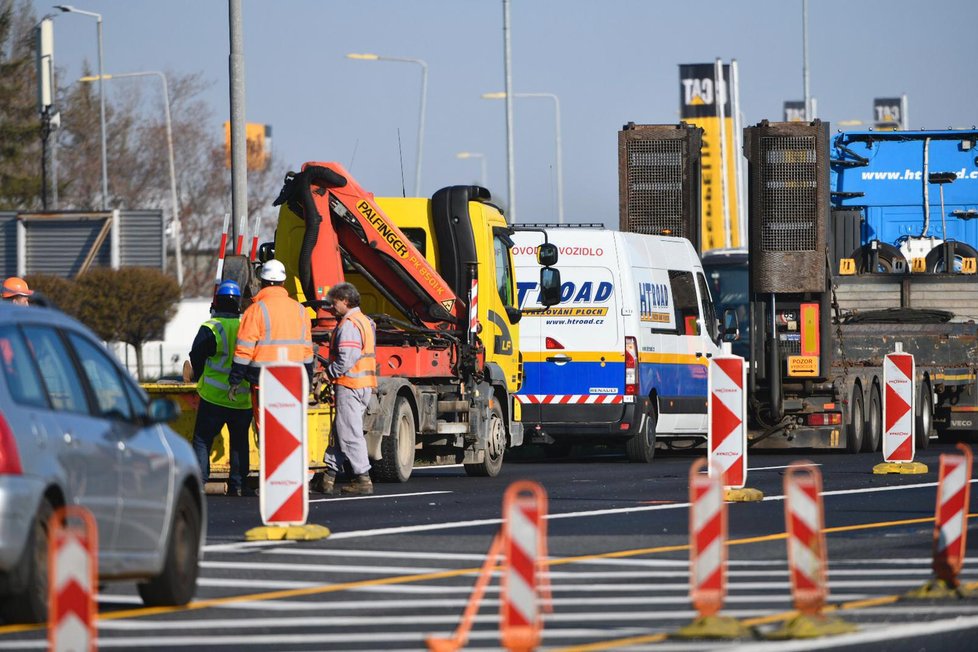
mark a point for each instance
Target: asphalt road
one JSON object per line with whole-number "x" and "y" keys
{"x": 400, "y": 565}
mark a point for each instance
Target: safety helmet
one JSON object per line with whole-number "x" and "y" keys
{"x": 229, "y": 289}
{"x": 273, "y": 271}
{"x": 16, "y": 287}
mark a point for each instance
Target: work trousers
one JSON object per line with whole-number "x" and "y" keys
{"x": 210, "y": 419}
{"x": 346, "y": 441}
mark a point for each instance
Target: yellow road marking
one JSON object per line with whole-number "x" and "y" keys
{"x": 423, "y": 577}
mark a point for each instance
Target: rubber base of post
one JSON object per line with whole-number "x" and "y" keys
{"x": 745, "y": 495}
{"x": 714, "y": 627}
{"x": 899, "y": 467}
{"x": 803, "y": 626}
{"x": 308, "y": 532}
{"x": 443, "y": 644}
{"x": 938, "y": 589}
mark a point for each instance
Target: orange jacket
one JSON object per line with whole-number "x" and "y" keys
{"x": 274, "y": 324}
{"x": 363, "y": 373}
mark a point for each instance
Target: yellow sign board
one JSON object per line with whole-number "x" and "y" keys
{"x": 802, "y": 365}
{"x": 258, "y": 141}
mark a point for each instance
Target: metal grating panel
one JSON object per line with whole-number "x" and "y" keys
{"x": 789, "y": 205}
{"x": 59, "y": 247}
{"x": 8, "y": 244}
{"x": 655, "y": 187}
{"x": 141, "y": 239}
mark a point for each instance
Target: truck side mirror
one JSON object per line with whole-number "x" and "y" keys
{"x": 266, "y": 252}
{"x": 731, "y": 325}
{"x": 550, "y": 285}
{"x": 547, "y": 254}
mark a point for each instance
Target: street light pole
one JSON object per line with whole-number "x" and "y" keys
{"x": 482, "y": 162}
{"x": 101, "y": 98}
{"x": 424, "y": 101}
{"x": 177, "y": 236}
{"x": 559, "y": 163}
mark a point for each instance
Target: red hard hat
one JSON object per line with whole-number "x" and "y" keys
{"x": 16, "y": 287}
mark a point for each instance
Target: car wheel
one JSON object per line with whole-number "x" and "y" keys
{"x": 492, "y": 463}
{"x": 857, "y": 422}
{"x": 925, "y": 420}
{"x": 873, "y": 435}
{"x": 178, "y": 581}
{"x": 641, "y": 447}
{"x": 30, "y": 605}
{"x": 397, "y": 449}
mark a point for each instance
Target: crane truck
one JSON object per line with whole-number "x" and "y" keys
{"x": 436, "y": 276}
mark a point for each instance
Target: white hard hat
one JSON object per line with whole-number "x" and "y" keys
{"x": 273, "y": 271}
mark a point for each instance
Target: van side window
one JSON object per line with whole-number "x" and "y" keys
{"x": 709, "y": 312}
{"x": 684, "y": 297}
{"x": 504, "y": 265}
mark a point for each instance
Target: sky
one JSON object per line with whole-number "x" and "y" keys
{"x": 609, "y": 61}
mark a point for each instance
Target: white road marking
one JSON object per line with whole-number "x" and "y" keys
{"x": 319, "y": 568}
{"x": 376, "y": 554}
{"x": 771, "y": 468}
{"x": 244, "y": 546}
{"x": 341, "y": 498}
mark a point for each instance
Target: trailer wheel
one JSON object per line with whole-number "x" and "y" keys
{"x": 890, "y": 259}
{"x": 925, "y": 420}
{"x": 874, "y": 422}
{"x": 641, "y": 447}
{"x": 492, "y": 463}
{"x": 397, "y": 448}
{"x": 935, "y": 259}
{"x": 857, "y": 422}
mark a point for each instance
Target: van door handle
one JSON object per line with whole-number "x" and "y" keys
{"x": 558, "y": 358}
{"x": 700, "y": 354}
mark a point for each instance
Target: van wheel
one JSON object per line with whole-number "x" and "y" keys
{"x": 30, "y": 605}
{"x": 857, "y": 423}
{"x": 874, "y": 422}
{"x": 925, "y": 420}
{"x": 178, "y": 581}
{"x": 397, "y": 448}
{"x": 641, "y": 447}
{"x": 492, "y": 462}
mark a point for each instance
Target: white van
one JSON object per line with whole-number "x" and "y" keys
{"x": 625, "y": 354}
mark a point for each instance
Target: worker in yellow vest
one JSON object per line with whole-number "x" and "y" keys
{"x": 210, "y": 359}
{"x": 352, "y": 369}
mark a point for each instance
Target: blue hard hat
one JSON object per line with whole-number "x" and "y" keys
{"x": 228, "y": 289}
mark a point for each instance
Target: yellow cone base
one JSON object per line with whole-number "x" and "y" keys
{"x": 309, "y": 532}
{"x": 899, "y": 467}
{"x": 938, "y": 589}
{"x": 803, "y": 626}
{"x": 443, "y": 644}
{"x": 715, "y": 627}
{"x": 745, "y": 495}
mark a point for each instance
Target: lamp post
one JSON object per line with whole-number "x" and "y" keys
{"x": 482, "y": 163}
{"x": 501, "y": 95}
{"x": 424, "y": 97}
{"x": 101, "y": 97}
{"x": 177, "y": 236}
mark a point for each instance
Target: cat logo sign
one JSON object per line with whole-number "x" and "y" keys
{"x": 258, "y": 140}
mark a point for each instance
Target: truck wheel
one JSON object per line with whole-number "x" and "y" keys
{"x": 890, "y": 259}
{"x": 925, "y": 420}
{"x": 874, "y": 422}
{"x": 492, "y": 463}
{"x": 397, "y": 448}
{"x": 641, "y": 447}
{"x": 857, "y": 422}
{"x": 935, "y": 259}
{"x": 31, "y": 604}
{"x": 178, "y": 581}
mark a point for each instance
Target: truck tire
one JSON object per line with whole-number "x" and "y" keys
{"x": 178, "y": 581}
{"x": 857, "y": 422}
{"x": 891, "y": 260}
{"x": 641, "y": 447}
{"x": 935, "y": 259}
{"x": 873, "y": 435}
{"x": 397, "y": 448}
{"x": 925, "y": 419}
{"x": 31, "y": 604}
{"x": 492, "y": 463}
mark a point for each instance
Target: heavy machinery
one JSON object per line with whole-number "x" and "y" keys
{"x": 447, "y": 355}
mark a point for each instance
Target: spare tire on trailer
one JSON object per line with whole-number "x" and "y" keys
{"x": 890, "y": 259}
{"x": 935, "y": 259}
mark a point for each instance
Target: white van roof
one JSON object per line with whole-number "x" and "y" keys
{"x": 583, "y": 246}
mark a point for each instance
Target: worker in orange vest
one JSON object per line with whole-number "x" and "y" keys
{"x": 352, "y": 369}
{"x": 275, "y": 328}
{"x": 15, "y": 291}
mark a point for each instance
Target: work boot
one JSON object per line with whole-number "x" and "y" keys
{"x": 323, "y": 483}
{"x": 361, "y": 485}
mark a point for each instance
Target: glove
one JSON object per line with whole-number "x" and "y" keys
{"x": 234, "y": 391}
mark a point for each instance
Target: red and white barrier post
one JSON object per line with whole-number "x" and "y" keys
{"x": 221, "y": 251}
{"x": 254, "y": 237}
{"x": 898, "y": 407}
{"x": 283, "y": 428}
{"x": 727, "y": 426}
{"x": 72, "y": 580}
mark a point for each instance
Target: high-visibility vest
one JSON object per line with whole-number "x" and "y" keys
{"x": 363, "y": 373}
{"x": 212, "y": 386}
{"x": 275, "y": 328}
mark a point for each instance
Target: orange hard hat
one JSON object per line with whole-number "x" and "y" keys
{"x": 16, "y": 287}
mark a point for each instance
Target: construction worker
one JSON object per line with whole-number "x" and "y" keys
{"x": 210, "y": 359}
{"x": 275, "y": 328}
{"x": 352, "y": 369}
{"x": 15, "y": 291}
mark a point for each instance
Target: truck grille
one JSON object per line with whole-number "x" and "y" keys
{"x": 789, "y": 206}
{"x": 655, "y": 183}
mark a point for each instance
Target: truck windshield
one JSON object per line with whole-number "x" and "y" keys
{"x": 729, "y": 287}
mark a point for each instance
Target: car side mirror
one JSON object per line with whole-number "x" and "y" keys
{"x": 547, "y": 254}
{"x": 549, "y": 286}
{"x": 731, "y": 325}
{"x": 163, "y": 410}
